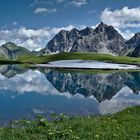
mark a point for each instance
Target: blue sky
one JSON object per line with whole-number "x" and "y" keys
{"x": 32, "y": 23}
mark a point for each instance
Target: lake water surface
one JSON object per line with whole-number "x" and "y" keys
{"x": 86, "y": 64}
{"x": 25, "y": 93}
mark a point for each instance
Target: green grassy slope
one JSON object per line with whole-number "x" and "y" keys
{"x": 121, "y": 126}
{"x": 4, "y": 61}
{"x": 82, "y": 56}
{"x": 33, "y": 59}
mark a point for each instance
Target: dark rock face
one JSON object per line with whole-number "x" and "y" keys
{"x": 135, "y": 52}
{"x": 134, "y": 46}
{"x": 134, "y": 41}
{"x": 12, "y": 51}
{"x": 104, "y": 39}
{"x": 63, "y": 41}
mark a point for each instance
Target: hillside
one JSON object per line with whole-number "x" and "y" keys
{"x": 11, "y": 51}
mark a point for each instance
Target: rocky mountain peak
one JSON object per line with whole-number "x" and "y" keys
{"x": 101, "y": 27}
{"x": 11, "y": 51}
{"x": 134, "y": 46}
{"x": 86, "y": 31}
{"x": 73, "y": 33}
{"x": 103, "y": 39}
{"x": 102, "y": 23}
{"x": 136, "y": 36}
{"x": 74, "y": 30}
{"x": 10, "y": 44}
{"x": 62, "y": 32}
{"x": 134, "y": 41}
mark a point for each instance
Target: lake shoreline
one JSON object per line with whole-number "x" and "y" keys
{"x": 44, "y": 59}
{"x": 86, "y": 64}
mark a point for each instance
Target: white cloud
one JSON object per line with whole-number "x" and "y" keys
{"x": 31, "y": 33}
{"x": 42, "y": 2}
{"x": 42, "y": 10}
{"x": 122, "y": 100}
{"x": 32, "y": 39}
{"x": 31, "y": 81}
{"x": 127, "y": 34}
{"x": 122, "y": 18}
{"x": 79, "y": 3}
{"x": 35, "y": 39}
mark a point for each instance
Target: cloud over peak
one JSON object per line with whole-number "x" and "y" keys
{"x": 32, "y": 39}
{"x": 122, "y": 18}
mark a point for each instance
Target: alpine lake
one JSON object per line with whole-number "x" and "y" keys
{"x": 26, "y": 93}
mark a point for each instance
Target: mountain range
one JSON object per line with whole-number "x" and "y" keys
{"x": 103, "y": 39}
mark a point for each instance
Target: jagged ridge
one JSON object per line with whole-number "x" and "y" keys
{"x": 103, "y": 39}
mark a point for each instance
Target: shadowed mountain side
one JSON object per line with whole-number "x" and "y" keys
{"x": 104, "y": 39}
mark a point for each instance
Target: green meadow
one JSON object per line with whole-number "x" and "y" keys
{"x": 120, "y": 126}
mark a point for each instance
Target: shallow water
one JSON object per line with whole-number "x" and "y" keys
{"x": 87, "y": 64}
{"x": 26, "y": 93}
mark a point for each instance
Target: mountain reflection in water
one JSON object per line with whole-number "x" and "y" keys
{"x": 25, "y": 93}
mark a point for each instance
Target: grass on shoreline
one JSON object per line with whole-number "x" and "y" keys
{"x": 120, "y": 126}
{"x": 33, "y": 59}
{"x": 81, "y": 56}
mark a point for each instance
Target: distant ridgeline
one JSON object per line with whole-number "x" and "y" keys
{"x": 103, "y": 39}
{"x": 12, "y": 52}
